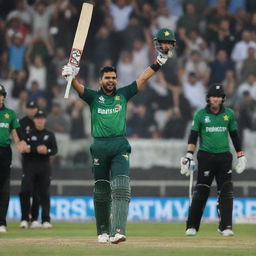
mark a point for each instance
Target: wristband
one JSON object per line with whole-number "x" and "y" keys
{"x": 155, "y": 66}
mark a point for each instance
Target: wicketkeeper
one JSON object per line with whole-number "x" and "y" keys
{"x": 110, "y": 149}
{"x": 213, "y": 125}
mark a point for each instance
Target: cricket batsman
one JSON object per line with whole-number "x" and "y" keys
{"x": 110, "y": 149}
{"x": 213, "y": 125}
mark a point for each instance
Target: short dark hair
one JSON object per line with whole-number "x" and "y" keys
{"x": 107, "y": 69}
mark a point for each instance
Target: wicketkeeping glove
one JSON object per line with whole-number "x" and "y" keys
{"x": 241, "y": 162}
{"x": 187, "y": 164}
{"x": 69, "y": 70}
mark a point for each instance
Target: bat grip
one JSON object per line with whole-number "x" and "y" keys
{"x": 68, "y": 87}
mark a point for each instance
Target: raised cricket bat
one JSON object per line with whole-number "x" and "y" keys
{"x": 79, "y": 40}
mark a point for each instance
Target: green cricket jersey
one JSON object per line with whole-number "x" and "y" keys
{"x": 108, "y": 113}
{"x": 8, "y": 121}
{"x": 214, "y": 129}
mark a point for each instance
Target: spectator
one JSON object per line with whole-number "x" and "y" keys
{"x": 190, "y": 20}
{"x": 37, "y": 72}
{"x": 219, "y": 67}
{"x": 246, "y": 118}
{"x": 57, "y": 121}
{"x": 77, "y": 123}
{"x": 194, "y": 91}
{"x": 249, "y": 64}
{"x": 125, "y": 68}
{"x": 240, "y": 51}
{"x": 249, "y": 85}
{"x": 17, "y": 51}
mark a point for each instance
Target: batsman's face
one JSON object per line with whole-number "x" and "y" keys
{"x": 215, "y": 101}
{"x": 166, "y": 45}
{"x": 108, "y": 82}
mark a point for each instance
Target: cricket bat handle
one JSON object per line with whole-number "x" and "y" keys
{"x": 68, "y": 87}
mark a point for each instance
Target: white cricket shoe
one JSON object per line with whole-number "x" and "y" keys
{"x": 35, "y": 224}
{"x": 103, "y": 238}
{"x": 3, "y": 229}
{"x": 226, "y": 232}
{"x": 46, "y": 225}
{"x": 24, "y": 224}
{"x": 190, "y": 232}
{"x": 117, "y": 238}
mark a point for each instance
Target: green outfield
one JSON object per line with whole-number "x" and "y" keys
{"x": 149, "y": 239}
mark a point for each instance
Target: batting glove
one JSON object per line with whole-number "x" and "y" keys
{"x": 187, "y": 164}
{"x": 69, "y": 70}
{"x": 161, "y": 58}
{"x": 241, "y": 162}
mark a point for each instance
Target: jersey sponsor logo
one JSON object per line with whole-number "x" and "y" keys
{"x": 225, "y": 118}
{"x": 207, "y": 119}
{"x": 7, "y": 116}
{"x": 216, "y": 129}
{"x": 4, "y": 125}
{"x": 229, "y": 172}
{"x": 107, "y": 111}
{"x": 101, "y": 100}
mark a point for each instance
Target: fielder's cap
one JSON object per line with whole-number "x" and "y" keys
{"x": 31, "y": 104}
{"x": 40, "y": 113}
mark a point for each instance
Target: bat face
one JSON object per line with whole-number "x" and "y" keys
{"x": 75, "y": 57}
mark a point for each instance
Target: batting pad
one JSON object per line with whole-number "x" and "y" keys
{"x": 102, "y": 202}
{"x": 121, "y": 195}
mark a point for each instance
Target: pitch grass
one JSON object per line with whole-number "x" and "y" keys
{"x": 144, "y": 239}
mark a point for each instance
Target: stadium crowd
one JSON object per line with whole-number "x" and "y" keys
{"x": 216, "y": 42}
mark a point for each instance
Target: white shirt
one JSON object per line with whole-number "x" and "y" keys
{"x": 120, "y": 16}
{"x": 247, "y": 87}
{"x": 195, "y": 94}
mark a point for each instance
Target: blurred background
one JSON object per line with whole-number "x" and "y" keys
{"x": 216, "y": 42}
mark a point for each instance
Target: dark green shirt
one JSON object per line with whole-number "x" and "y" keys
{"x": 8, "y": 121}
{"x": 214, "y": 129}
{"x": 108, "y": 113}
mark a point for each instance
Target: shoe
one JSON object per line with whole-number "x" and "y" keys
{"x": 190, "y": 232}
{"x": 117, "y": 238}
{"x": 35, "y": 224}
{"x": 226, "y": 232}
{"x": 3, "y": 229}
{"x": 24, "y": 224}
{"x": 103, "y": 238}
{"x": 46, "y": 225}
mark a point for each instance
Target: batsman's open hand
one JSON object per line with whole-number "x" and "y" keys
{"x": 69, "y": 70}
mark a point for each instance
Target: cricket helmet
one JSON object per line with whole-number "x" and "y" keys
{"x": 165, "y": 34}
{"x": 2, "y": 90}
{"x": 216, "y": 90}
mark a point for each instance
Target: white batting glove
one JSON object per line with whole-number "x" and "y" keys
{"x": 241, "y": 163}
{"x": 187, "y": 164}
{"x": 69, "y": 70}
{"x": 161, "y": 58}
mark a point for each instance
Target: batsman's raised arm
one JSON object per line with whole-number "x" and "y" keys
{"x": 164, "y": 44}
